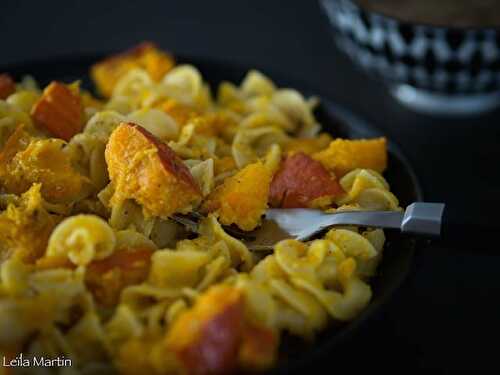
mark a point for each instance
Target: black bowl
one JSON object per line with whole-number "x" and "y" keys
{"x": 437, "y": 69}
{"x": 296, "y": 356}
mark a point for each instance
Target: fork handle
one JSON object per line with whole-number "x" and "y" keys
{"x": 450, "y": 227}
{"x": 422, "y": 218}
{"x": 461, "y": 233}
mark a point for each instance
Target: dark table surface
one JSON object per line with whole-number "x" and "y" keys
{"x": 447, "y": 313}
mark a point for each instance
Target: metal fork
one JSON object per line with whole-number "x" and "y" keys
{"x": 303, "y": 224}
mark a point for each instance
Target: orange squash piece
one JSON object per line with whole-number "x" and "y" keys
{"x": 145, "y": 169}
{"x": 7, "y": 85}
{"x": 206, "y": 338}
{"x": 25, "y": 160}
{"x": 215, "y": 336}
{"x": 25, "y": 227}
{"x": 344, "y": 155}
{"x": 258, "y": 348}
{"x": 242, "y": 198}
{"x": 146, "y": 55}
{"x": 106, "y": 277}
{"x": 59, "y": 111}
{"x": 302, "y": 182}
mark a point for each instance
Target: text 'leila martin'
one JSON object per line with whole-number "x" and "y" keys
{"x": 21, "y": 361}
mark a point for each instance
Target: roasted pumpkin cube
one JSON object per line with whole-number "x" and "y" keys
{"x": 25, "y": 160}
{"x": 7, "y": 85}
{"x": 344, "y": 155}
{"x": 303, "y": 182}
{"x": 258, "y": 349}
{"x": 146, "y": 170}
{"x": 25, "y": 227}
{"x": 242, "y": 198}
{"x": 146, "y": 55}
{"x": 206, "y": 338}
{"x": 106, "y": 278}
{"x": 59, "y": 111}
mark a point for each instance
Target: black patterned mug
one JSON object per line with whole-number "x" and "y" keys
{"x": 433, "y": 69}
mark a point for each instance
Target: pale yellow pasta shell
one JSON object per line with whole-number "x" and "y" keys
{"x": 87, "y": 338}
{"x": 14, "y": 327}
{"x": 12, "y": 114}
{"x": 156, "y": 122}
{"x": 14, "y": 276}
{"x": 376, "y": 238}
{"x": 267, "y": 269}
{"x": 23, "y": 100}
{"x": 300, "y": 301}
{"x": 292, "y": 257}
{"x": 240, "y": 254}
{"x": 183, "y": 83}
{"x": 122, "y": 104}
{"x": 359, "y": 180}
{"x": 123, "y": 325}
{"x": 377, "y": 199}
{"x": 177, "y": 269}
{"x": 82, "y": 238}
{"x": 367, "y": 268}
{"x": 203, "y": 173}
{"x": 131, "y": 239}
{"x": 268, "y": 117}
{"x": 250, "y": 144}
{"x": 175, "y": 310}
{"x": 165, "y": 233}
{"x": 214, "y": 272}
{"x": 292, "y": 104}
{"x": 261, "y": 306}
{"x": 132, "y": 84}
{"x": 340, "y": 306}
{"x": 103, "y": 123}
{"x": 352, "y": 243}
{"x": 142, "y": 296}
{"x": 256, "y": 83}
{"x": 129, "y": 215}
{"x": 273, "y": 158}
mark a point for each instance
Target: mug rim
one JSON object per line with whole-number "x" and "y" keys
{"x": 429, "y": 25}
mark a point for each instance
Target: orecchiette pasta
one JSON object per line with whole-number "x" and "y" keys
{"x": 94, "y": 264}
{"x": 82, "y": 238}
{"x": 157, "y": 122}
{"x": 203, "y": 172}
{"x": 250, "y": 144}
{"x": 10, "y": 116}
{"x": 103, "y": 123}
{"x": 367, "y": 189}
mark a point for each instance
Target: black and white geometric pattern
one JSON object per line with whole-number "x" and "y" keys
{"x": 440, "y": 59}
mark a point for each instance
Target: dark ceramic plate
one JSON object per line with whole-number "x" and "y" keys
{"x": 295, "y": 355}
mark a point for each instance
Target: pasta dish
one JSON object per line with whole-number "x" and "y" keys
{"x": 93, "y": 268}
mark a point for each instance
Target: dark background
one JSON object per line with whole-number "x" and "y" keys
{"x": 446, "y": 315}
